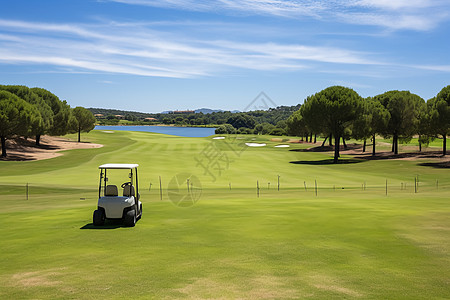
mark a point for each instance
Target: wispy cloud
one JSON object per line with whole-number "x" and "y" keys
{"x": 440, "y": 68}
{"x": 268, "y": 7}
{"x": 392, "y": 22}
{"x": 399, "y": 4}
{"x": 136, "y": 49}
{"x": 391, "y": 14}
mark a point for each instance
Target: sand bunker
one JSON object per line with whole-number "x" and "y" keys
{"x": 219, "y": 138}
{"x": 255, "y": 144}
{"x": 26, "y": 149}
{"x": 282, "y": 146}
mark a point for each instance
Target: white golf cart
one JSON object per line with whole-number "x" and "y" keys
{"x": 112, "y": 206}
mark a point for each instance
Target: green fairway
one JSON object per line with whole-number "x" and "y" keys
{"x": 352, "y": 237}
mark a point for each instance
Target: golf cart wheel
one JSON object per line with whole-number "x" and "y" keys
{"x": 130, "y": 218}
{"x": 99, "y": 217}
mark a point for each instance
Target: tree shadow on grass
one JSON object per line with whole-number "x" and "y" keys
{"x": 436, "y": 155}
{"x": 389, "y": 155}
{"x": 109, "y": 224}
{"x": 438, "y": 165}
{"x": 329, "y": 148}
{"x": 327, "y": 162}
{"x": 16, "y": 157}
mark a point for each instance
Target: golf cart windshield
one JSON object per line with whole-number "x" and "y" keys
{"x": 130, "y": 187}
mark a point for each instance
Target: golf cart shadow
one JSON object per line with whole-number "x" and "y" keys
{"x": 109, "y": 224}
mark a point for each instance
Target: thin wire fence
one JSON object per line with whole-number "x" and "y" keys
{"x": 157, "y": 191}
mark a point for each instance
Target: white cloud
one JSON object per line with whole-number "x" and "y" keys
{"x": 440, "y": 68}
{"x": 419, "y": 15}
{"x": 408, "y": 22}
{"x": 398, "y": 4}
{"x": 270, "y": 7}
{"x": 135, "y": 49}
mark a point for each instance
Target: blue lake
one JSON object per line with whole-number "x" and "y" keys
{"x": 172, "y": 130}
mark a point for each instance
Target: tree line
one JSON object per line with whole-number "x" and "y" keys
{"x": 33, "y": 112}
{"x": 271, "y": 121}
{"x": 340, "y": 112}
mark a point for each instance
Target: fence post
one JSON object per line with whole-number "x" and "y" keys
{"x": 417, "y": 183}
{"x": 315, "y": 186}
{"x": 386, "y": 188}
{"x": 160, "y": 189}
{"x": 27, "y": 191}
{"x": 257, "y": 188}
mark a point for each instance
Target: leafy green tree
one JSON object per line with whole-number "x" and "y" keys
{"x": 84, "y": 120}
{"x": 277, "y": 131}
{"x": 440, "y": 115}
{"x": 404, "y": 108}
{"x": 179, "y": 120}
{"x": 310, "y": 115}
{"x": 60, "y": 109}
{"x": 372, "y": 120}
{"x": 361, "y": 126}
{"x": 258, "y": 129}
{"x": 242, "y": 120}
{"x": 16, "y": 117}
{"x": 273, "y": 115}
{"x": 332, "y": 110}
{"x": 264, "y": 128}
{"x": 296, "y": 124}
{"x": 130, "y": 117}
{"x": 42, "y": 106}
{"x": 282, "y": 124}
{"x": 225, "y": 129}
{"x": 424, "y": 128}
{"x": 244, "y": 130}
{"x": 200, "y": 121}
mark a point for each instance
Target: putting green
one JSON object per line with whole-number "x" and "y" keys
{"x": 351, "y": 240}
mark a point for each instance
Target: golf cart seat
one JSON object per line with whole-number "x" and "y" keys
{"x": 128, "y": 191}
{"x": 111, "y": 190}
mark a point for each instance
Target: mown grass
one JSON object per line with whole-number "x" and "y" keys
{"x": 346, "y": 242}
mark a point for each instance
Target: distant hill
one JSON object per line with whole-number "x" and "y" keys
{"x": 202, "y": 110}
{"x": 206, "y": 110}
{"x": 140, "y": 115}
{"x": 209, "y": 111}
{"x": 108, "y": 112}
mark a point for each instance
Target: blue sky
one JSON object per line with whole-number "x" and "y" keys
{"x": 155, "y": 55}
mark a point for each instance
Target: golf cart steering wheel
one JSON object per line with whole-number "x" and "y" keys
{"x": 125, "y": 184}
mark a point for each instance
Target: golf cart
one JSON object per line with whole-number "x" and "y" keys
{"x": 112, "y": 206}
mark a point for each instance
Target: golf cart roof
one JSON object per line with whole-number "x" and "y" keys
{"x": 118, "y": 166}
